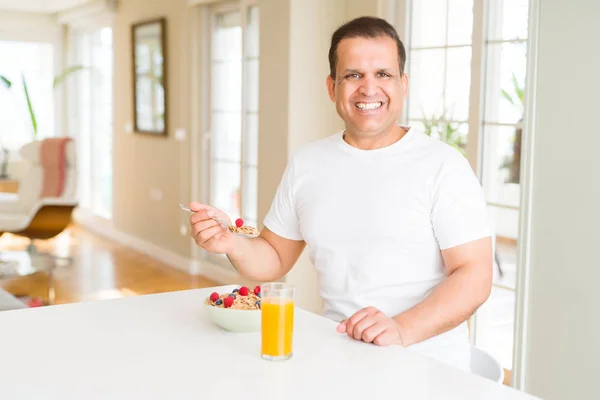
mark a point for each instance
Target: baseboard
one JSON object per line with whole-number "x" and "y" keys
{"x": 105, "y": 228}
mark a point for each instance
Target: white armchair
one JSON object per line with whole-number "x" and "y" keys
{"x": 47, "y": 193}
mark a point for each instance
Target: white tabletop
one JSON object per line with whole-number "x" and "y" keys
{"x": 163, "y": 346}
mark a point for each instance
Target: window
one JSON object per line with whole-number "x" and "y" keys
{"x": 443, "y": 56}
{"x": 234, "y": 111}
{"x": 90, "y": 105}
{"x": 34, "y": 63}
{"x": 439, "y": 68}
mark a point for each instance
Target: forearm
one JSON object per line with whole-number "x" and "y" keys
{"x": 450, "y": 304}
{"x": 256, "y": 259}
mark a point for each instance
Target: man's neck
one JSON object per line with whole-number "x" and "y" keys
{"x": 384, "y": 139}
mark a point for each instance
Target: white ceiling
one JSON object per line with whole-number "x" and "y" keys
{"x": 40, "y": 6}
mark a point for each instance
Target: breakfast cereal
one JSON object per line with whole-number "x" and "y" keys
{"x": 238, "y": 299}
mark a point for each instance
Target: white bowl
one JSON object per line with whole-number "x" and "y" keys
{"x": 234, "y": 320}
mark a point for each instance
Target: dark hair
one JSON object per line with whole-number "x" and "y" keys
{"x": 364, "y": 27}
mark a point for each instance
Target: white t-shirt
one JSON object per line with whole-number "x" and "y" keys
{"x": 375, "y": 221}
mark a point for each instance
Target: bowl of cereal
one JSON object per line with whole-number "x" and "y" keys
{"x": 237, "y": 310}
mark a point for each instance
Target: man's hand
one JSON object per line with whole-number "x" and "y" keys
{"x": 208, "y": 233}
{"x": 372, "y": 326}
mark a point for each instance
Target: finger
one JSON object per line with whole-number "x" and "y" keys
{"x": 202, "y": 225}
{"x": 360, "y": 327}
{"x": 341, "y": 328}
{"x": 358, "y": 316}
{"x": 353, "y": 320}
{"x": 386, "y": 338}
{"x": 202, "y": 215}
{"x": 372, "y": 332}
{"x": 195, "y": 206}
{"x": 208, "y": 234}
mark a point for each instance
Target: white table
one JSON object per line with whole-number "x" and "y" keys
{"x": 163, "y": 346}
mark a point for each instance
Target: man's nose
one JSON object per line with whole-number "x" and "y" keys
{"x": 369, "y": 86}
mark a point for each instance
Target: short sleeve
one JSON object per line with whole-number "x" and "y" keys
{"x": 459, "y": 210}
{"x": 282, "y": 218}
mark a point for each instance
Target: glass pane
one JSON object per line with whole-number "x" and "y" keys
{"x": 227, "y": 136}
{"x": 428, "y": 23}
{"x": 35, "y": 63}
{"x": 458, "y": 83}
{"x": 426, "y": 82}
{"x": 505, "y": 77}
{"x": 226, "y": 88}
{"x": 453, "y": 133}
{"x": 460, "y": 21}
{"x": 252, "y": 85}
{"x": 227, "y": 44}
{"x": 250, "y": 196}
{"x": 505, "y": 224}
{"x": 101, "y": 109}
{"x": 501, "y": 164}
{"x": 251, "y": 148}
{"x": 507, "y": 19}
{"x": 225, "y": 187}
{"x": 252, "y": 32}
{"x": 495, "y": 325}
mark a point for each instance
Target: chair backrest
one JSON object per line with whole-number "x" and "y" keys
{"x": 483, "y": 364}
{"x": 51, "y": 172}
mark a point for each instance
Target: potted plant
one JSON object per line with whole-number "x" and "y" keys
{"x": 513, "y": 164}
{"x": 8, "y": 84}
{"x": 443, "y": 128}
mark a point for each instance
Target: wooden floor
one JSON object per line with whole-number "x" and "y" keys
{"x": 100, "y": 269}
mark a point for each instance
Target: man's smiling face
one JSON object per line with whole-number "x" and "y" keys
{"x": 369, "y": 88}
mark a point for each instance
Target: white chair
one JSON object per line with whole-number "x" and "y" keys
{"x": 483, "y": 364}
{"x": 47, "y": 194}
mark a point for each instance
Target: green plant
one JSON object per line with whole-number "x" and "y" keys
{"x": 58, "y": 79}
{"x": 443, "y": 128}
{"x": 5, "y": 81}
{"x": 516, "y": 97}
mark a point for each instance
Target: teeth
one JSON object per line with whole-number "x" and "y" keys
{"x": 369, "y": 106}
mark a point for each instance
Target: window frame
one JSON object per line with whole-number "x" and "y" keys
{"x": 207, "y": 162}
{"x": 400, "y": 13}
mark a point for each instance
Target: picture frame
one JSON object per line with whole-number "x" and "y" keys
{"x": 149, "y": 68}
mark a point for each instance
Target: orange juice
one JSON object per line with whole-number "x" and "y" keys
{"x": 277, "y": 318}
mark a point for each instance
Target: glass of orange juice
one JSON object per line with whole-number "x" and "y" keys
{"x": 277, "y": 320}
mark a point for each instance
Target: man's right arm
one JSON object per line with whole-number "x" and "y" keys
{"x": 267, "y": 257}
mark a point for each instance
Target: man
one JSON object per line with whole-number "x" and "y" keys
{"x": 395, "y": 221}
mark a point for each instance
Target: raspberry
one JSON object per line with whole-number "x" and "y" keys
{"x": 257, "y": 290}
{"x": 239, "y": 222}
{"x": 243, "y": 291}
{"x": 214, "y": 296}
{"x": 228, "y": 302}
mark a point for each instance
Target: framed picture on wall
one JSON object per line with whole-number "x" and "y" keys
{"x": 150, "y": 77}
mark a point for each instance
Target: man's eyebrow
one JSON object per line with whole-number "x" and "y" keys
{"x": 350, "y": 70}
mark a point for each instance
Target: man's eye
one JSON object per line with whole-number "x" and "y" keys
{"x": 383, "y": 74}
{"x": 352, "y": 76}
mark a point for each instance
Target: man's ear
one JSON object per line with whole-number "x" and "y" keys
{"x": 330, "y": 87}
{"x": 405, "y": 84}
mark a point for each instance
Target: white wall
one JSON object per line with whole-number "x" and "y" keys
{"x": 563, "y": 345}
